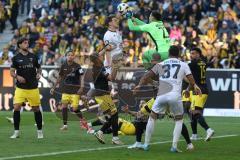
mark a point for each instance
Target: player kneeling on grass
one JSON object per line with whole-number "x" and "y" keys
{"x": 103, "y": 98}
{"x": 71, "y": 74}
{"x": 124, "y": 127}
{"x": 141, "y": 122}
{"x": 27, "y": 71}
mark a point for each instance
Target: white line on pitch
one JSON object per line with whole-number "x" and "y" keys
{"x": 93, "y": 149}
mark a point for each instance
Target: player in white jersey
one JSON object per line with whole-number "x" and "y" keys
{"x": 171, "y": 73}
{"x": 114, "y": 46}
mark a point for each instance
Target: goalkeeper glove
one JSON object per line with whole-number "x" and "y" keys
{"x": 129, "y": 14}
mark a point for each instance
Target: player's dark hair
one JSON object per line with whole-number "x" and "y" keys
{"x": 109, "y": 19}
{"x": 157, "y": 15}
{"x": 174, "y": 51}
{"x": 198, "y": 50}
{"x": 20, "y": 41}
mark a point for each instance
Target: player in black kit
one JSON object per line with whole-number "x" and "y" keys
{"x": 27, "y": 71}
{"x": 198, "y": 67}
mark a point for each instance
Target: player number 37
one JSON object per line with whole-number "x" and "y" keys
{"x": 168, "y": 67}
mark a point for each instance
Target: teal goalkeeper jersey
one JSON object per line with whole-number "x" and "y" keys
{"x": 157, "y": 32}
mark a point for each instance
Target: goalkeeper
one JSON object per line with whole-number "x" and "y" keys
{"x": 157, "y": 32}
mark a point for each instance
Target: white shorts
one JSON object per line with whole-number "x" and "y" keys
{"x": 171, "y": 101}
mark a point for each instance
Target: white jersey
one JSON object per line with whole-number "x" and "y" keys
{"x": 172, "y": 71}
{"x": 115, "y": 40}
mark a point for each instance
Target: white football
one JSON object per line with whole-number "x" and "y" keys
{"x": 123, "y": 8}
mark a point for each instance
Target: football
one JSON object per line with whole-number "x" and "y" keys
{"x": 123, "y": 8}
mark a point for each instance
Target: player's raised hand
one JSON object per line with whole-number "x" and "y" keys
{"x": 20, "y": 79}
{"x": 129, "y": 14}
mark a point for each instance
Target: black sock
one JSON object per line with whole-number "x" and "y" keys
{"x": 65, "y": 115}
{"x": 114, "y": 124}
{"x": 97, "y": 123}
{"x": 38, "y": 119}
{"x": 194, "y": 124}
{"x": 185, "y": 134}
{"x": 79, "y": 114}
{"x": 108, "y": 131}
{"x": 105, "y": 126}
{"x": 202, "y": 122}
{"x": 16, "y": 119}
{"x": 140, "y": 127}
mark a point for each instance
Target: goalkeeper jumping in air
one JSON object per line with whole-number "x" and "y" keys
{"x": 157, "y": 32}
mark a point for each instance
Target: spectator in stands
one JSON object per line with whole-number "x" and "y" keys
{"x": 79, "y": 25}
{"x": 23, "y": 6}
{"x": 13, "y": 45}
{"x": 3, "y": 16}
{"x": 6, "y": 56}
{"x": 45, "y": 56}
{"x": 176, "y": 33}
{"x": 225, "y": 29}
{"x": 14, "y": 13}
{"x": 38, "y": 9}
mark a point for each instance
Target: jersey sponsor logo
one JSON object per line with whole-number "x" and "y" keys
{"x": 26, "y": 66}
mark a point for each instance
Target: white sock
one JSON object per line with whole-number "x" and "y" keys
{"x": 209, "y": 129}
{"x": 115, "y": 138}
{"x": 177, "y": 132}
{"x": 21, "y": 110}
{"x": 16, "y": 131}
{"x": 138, "y": 143}
{"x": 149, "y": 130}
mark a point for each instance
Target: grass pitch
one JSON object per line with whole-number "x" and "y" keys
{"x": 77, "y": 144}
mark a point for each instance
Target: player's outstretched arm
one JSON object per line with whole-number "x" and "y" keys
{"x": 126, "y": 110}
{"x": 133, "y": 27}
{"x": 146, "y": 79}
{"x": 193, "y": 85}
{"x": 138, "y": 21}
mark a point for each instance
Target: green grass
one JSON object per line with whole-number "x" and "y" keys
{"x": 75, "y": 139}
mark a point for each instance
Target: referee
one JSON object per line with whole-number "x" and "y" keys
{"x": 27, "y": 71}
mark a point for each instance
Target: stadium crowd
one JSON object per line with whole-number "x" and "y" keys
{"x": 53, "y": 27}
